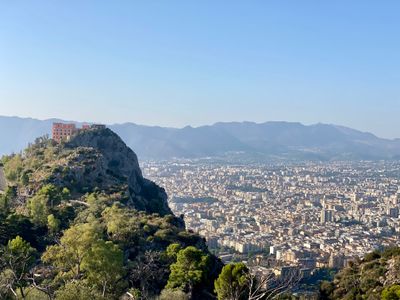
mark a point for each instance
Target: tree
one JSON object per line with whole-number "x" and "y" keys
{"x": 78, "y": 290}
{"x": 326, "y": 288}
{"x": 16, "y": 259}
{"x": 232, "y": 283}
{"x": 391, "y": 293}
{"x": 189, "y": 270}
{"x": 96, "y": 203}
{"x": 15, "y": 224}
{"x": 7, "y": 199}
{"x": 13, "y": 167}
{"x": 53, "y": 224}
{"x": 38, "y": 209}
{"x": 74, "y": 246}
{"x": 122, "y": 224}
{"x": 268, "y": 286}
{"x": 51, "y": 192}
{"x": 103, "y": 265}
{"x": 24, "y": 179}
{"x": 149, "y": 272}
{"x": 65, "y": 194}
{"x": 172, "y": 250}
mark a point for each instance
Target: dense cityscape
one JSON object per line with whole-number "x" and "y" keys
{"x": 279, "y": 217}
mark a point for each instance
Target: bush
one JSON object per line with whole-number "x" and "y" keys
{"x": 391, "y": 293}
{"x": 390, "y": 252}
{"x": 78, "y": 290}
{"x": 169, "y": 294}
{"x": 372, "y": 256}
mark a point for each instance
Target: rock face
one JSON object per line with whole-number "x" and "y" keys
{"x": 392, "y": 275}
{"x": 115, "y": 155}
{"x": 99, "y": 159}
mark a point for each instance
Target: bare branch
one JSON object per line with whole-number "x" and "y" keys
{"x": 270, "y": 286}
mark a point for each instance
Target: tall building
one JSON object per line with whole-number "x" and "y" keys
{"x": 326, "y": 216}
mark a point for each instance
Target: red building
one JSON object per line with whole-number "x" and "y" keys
{"x": 63, "y": 131}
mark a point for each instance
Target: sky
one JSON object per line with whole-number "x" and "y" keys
{"x": 176, "y": 63}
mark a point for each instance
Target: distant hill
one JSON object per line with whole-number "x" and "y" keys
{"x": 265, "y": 141}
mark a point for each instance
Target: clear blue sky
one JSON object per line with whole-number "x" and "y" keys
{"x": 174, "y": 63}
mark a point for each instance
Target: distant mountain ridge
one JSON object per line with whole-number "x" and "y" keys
{"x": 265, "y": 141}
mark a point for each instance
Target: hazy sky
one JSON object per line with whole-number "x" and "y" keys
{"x": 174, "y": 63}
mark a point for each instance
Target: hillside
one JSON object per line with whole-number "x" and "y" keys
{"x": 265, "y": 141}
{"x": 375, "y": 277}
{"x": 79, "y": 221}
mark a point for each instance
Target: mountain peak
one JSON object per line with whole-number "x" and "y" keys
{"x": 117, "y": 165}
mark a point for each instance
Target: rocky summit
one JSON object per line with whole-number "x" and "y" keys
{"x": 97, "y": 159}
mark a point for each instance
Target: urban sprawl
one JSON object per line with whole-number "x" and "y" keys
{"x": 280, "y": 217}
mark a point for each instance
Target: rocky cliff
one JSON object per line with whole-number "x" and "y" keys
{"x": 94, "y": 160}
{"x": 101, "y": 160}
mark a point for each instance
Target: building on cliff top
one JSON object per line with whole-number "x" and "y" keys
{"x": 64, "y": 131}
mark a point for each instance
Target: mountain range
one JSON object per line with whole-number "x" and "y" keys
{"x": 239, "y": 140}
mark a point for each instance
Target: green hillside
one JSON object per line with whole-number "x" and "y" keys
{"x": 79, "y": 221}
{"x": 376, "y": 276}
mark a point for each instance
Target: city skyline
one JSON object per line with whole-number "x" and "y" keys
{"x": 308, "y": 214}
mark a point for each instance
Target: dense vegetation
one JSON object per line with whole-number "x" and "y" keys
{"x": 376, "y": 276}
{"x": 64, "y": 235}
